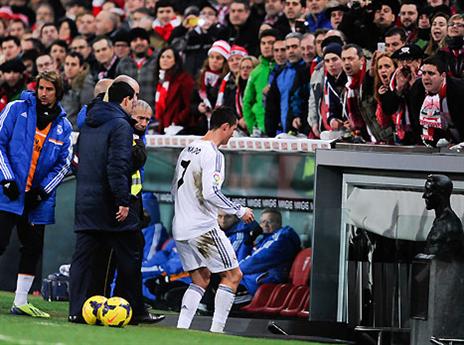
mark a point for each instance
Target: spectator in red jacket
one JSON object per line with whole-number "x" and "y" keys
{"x": 174, "y": 87}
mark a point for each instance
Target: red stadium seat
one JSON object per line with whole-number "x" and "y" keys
{"x": 272, "y": 299}
{"x": 260, "y": 299}
{"x": 304, "y": 312}
{"x": 301, "y": 268}
{"x": 297, "y": 301}
{"x": 279, "y": 299}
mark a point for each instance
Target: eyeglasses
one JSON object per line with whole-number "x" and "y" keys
{"x": 246, "y": 68}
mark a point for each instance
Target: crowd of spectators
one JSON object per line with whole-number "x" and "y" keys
{"x": 385, "y": 71}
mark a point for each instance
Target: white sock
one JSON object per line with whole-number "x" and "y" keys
{"x": 23, "y": 285}
{"x": 190, "y": 301}
{"x": 222, "y": 304}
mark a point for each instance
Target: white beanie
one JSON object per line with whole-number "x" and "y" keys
{"x": 221, "y": 47}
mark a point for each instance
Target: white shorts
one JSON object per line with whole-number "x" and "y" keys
{"x": 212, "y": 250}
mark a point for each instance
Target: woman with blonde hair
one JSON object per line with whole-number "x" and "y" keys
{"x": 235, "y": 100}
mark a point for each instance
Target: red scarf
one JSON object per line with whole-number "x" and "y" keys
{"x": 434, "y": 114}
{"x": 161, "y": 95}
{"x": 211, "y": 78}
{"x": 164, "y": 31}
{"x": 352, "y": 99}
{"x": 239, "y": 100}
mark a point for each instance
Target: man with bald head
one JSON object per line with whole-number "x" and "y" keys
{"x": 99, "y": 92}
{"x": 106, "y": 23}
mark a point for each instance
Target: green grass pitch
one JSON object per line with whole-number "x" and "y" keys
{"x": 23, "y": 330}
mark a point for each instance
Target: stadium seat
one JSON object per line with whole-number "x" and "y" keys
{"x": 260, "y": 299}
{"x": 278, "y": 300}
{"x": 297, "y": 301}
{"x": 301, "y": 268}
{"x": 271, "y": 299}
{"x": 304, "y": 312}
{"x": 299, "y": 278}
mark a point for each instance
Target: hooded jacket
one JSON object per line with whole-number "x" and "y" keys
{"x": 17, "y": 131}
{"x": 104, "y": 174}
{"x": 253, "y": 105}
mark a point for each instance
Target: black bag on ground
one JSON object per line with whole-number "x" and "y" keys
{"x": 55, "y": 288}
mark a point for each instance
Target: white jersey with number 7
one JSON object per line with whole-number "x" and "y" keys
{"x": 196, "y": 189}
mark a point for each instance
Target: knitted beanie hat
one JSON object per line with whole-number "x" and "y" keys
{"x": 221, "y": 47}
{"x": 238, "y": 50}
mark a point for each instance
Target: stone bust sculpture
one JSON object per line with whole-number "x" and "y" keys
{"x": 445, "y": 239}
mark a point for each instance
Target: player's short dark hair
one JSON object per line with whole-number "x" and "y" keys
{"x": 397, "y": 31}
{"x": 221, "y": 115}
{"x": 120, "y": 90}
{"x": 436, "y": 61}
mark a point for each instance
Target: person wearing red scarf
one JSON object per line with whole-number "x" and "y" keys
{"x": 166, "y": 19}
{"x": 174, "y": 88}
{"x": 210, "y": 88}
{"x": 436, "y": 117}
{"x": 434, "y": 103}
{"x": 354, "y": 65}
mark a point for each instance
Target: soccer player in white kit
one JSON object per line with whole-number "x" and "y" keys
{"x": 202, "y": 246}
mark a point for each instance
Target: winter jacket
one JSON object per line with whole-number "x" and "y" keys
{"x": 287, "y": 99}
{"x": 253, "y": 106}
{"x": 104, "y": 174}
{"x": 178, "y": 102}
{"x": 246, "y": 35}
{"x": 271, "y": 259}
{"x": 319, "y": 21}
{"x": 316, "y": 92}
{"x": 454, "y": 91}
{"x": 17, "y": 132}
{"x": 144, "y": 76}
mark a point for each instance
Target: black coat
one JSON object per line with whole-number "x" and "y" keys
{"x": 358, "y": 27}
{"x": 246, "y": 35}
{"x": 105, "y": 169}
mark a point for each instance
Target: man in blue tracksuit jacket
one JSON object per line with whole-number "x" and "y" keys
{"x": 35, "y": 155}
{"x": 272, "y": 255}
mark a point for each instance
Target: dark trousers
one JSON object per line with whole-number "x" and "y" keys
{"x": 126, "y": 252}
{"x": 30, "y": 236}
